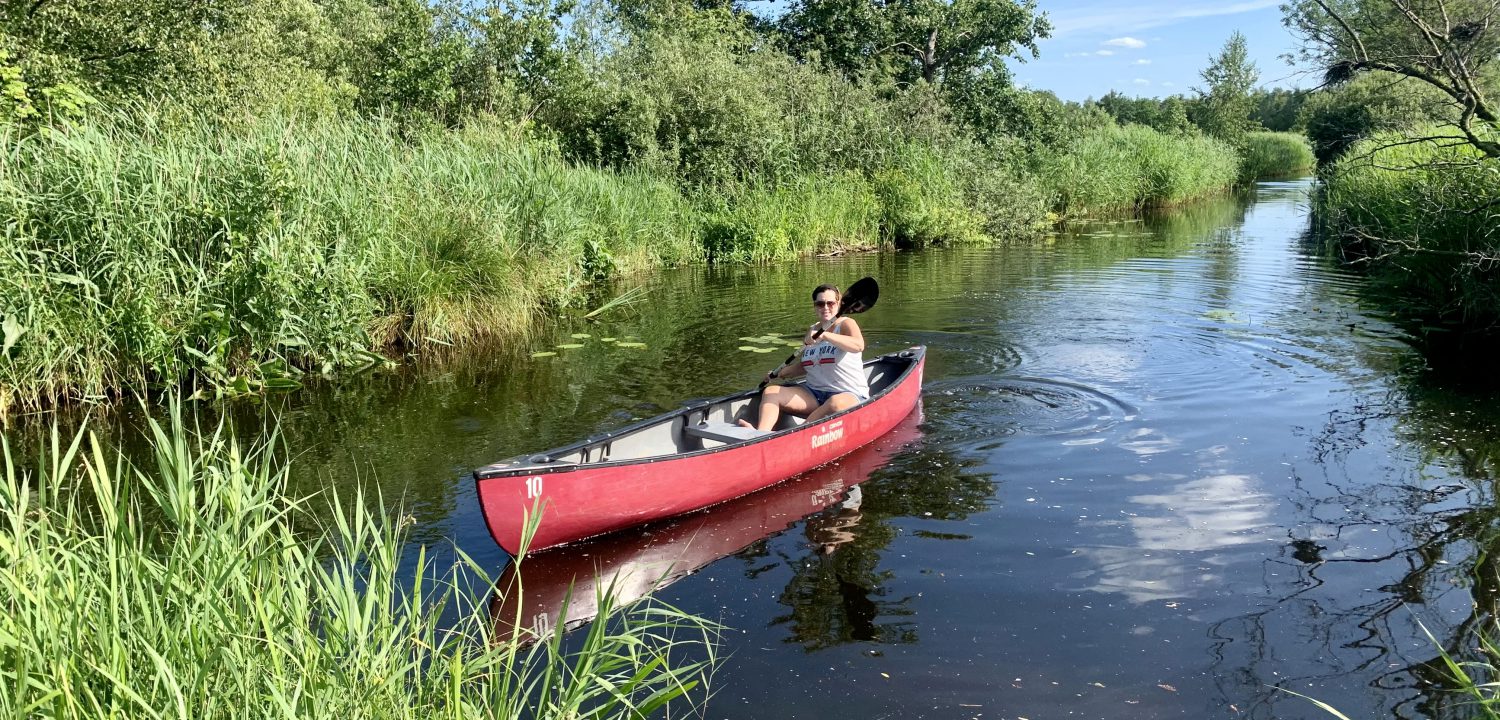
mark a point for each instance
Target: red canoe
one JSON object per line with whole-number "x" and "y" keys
{"x": 682, "y": 461}
{"x": 564, "y": 587}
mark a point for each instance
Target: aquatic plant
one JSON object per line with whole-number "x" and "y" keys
{"x": 1275, "y": 154}
{"x": 1419, "y": 210}
{"x": 195, "y": 587}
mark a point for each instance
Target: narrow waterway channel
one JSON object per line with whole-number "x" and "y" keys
{"x": 1161, "y": 467}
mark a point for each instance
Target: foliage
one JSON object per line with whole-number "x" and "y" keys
{"x": 1423, "y": 216}
{"x": 196, "y": 587}
{"x": 1451, "y": 47}
{"x": 1278, "y": 109}
{"x": 933, "y": 41}
{"x": 1126, "y": 169}
{"x": 135, "y": 254}
{"x": 1224, "y": 103}
{"x": 1168, "y": 115}
{"x": 1275, "y": 154}
{"x": 1337, "y": 117}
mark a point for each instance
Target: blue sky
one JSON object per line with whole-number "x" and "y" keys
{"x": 1152, "y": 48}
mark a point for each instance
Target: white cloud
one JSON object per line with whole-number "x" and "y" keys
{"x": 1142, "y": 61}
{"x": 1169, "y": 84}
{"x": 1126, "y": 42}
{"x": 1141, "y": 81}
{"x": 1106, "y": 17}
{"x": 1105, "y": 53}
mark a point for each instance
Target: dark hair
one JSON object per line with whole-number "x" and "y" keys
{"x": 819, "y": 290}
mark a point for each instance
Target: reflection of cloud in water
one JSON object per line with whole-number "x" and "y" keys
{"x": 1108, "y": 362}
{"x": 1211, "y": 513}
{"x": 1146, "y": 441}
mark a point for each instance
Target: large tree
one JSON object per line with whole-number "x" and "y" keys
{"x": 910, "y": 40}
{"x": 1451, "y": 45}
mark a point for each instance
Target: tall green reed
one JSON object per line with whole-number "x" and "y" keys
{"x": 194, "y": 587}
{"x": 1422, "y": 215}
{"x": 1128, "y": 169}
{"x": 1275, "y": 154}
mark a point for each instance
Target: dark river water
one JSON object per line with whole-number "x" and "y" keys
{"x": 1161, "y": 468}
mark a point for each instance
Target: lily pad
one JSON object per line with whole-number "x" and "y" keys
{"x": 544, "y": 353}
{"x": 754, "y": 349}
{"x": 606, "y": 339}
{"x": 631, "y": 344}
{"x": 570, "y": 346}
{"x": 581, "y": 336}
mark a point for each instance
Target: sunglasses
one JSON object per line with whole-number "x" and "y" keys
{"x": 825, "y": 303}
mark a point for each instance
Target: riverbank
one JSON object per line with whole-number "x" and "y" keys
{"x": 140, "y": 254}
{"x": 1419, "y": 216}
{"x": 200, "y": 587}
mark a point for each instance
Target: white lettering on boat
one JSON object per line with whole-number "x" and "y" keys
{"x": 831, "y": 433}
{"x": 534, "y": 487}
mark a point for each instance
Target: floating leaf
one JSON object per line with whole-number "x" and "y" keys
{"x": 765, "y": 350}
{"x": 631, "y": 344}
{"x": 569, "y": 346}
{"x": 544, "y": 353}
{"x": 581, "y": 336}
{"x": 606, "y": 339}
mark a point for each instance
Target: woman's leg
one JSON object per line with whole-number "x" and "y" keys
{"x": 838, "y": 403}
{"x": 795, "y": 400}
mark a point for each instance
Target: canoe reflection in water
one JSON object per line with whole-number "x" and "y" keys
{"x": 530, "y": 596}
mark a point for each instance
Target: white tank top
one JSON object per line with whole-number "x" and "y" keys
{"x": 833, "y": 370}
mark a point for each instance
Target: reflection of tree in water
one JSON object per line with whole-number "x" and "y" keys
{"x": 838, "y": 591}
{"x": 1448, "y": 536}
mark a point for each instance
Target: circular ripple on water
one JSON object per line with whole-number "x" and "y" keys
{"x": 975, "y": 412}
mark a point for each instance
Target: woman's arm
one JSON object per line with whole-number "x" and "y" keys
{"x": 846, "y": 336}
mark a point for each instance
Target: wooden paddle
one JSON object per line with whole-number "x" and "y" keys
{"x": 860, "y": 297}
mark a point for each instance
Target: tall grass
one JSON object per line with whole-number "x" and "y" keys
{"x": 1275, "y": 154}
{"x": 134, "y": 254}
{"x": 195, "y": 588}
{"x": 1424, "y": 216}
{"x": 811, "y": 215}
{"x": 1131, "y": 168}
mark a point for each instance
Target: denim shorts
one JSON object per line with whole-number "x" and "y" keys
{"x": 821, "y": 396}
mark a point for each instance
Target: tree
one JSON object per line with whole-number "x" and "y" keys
{"x": 1450, "y": 45}
{"x": 1224, "y": 103}
{"x": 910, "y": 40}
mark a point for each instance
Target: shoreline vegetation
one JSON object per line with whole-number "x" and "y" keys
{"x": 178, "y": 215}
{"x": 195, "y": 586}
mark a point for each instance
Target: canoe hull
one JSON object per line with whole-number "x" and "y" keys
{"x": 587, "y": 500}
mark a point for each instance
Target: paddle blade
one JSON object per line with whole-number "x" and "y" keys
{"x": 860, "y": 297}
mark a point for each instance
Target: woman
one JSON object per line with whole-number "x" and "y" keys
{"x": 833, "y": 363}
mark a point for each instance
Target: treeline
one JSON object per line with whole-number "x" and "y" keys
{"x": 186, "y": 185}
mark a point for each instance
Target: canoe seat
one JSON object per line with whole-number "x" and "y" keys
{"x": 722, "y": 432}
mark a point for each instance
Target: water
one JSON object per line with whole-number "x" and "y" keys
{"x": 1161, "y": 467}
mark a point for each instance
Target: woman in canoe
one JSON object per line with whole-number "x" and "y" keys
{"x": 833, "y": 363}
